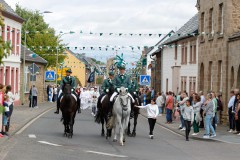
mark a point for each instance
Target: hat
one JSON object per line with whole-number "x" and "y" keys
{"x": 69, "y": 71}
{"x": 111, "y": 73}
{"x": 122, "y": 67}
{"x": 95, "y": 87}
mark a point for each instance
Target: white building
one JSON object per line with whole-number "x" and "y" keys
{"x": 10, "y": 71}
{"x": 180, "y": 59}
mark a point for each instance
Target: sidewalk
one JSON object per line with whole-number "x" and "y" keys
{"x": 221, "y": 131}
{"x": 23, "y": 114}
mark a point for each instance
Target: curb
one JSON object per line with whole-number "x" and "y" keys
{"x": 183, "y": 134}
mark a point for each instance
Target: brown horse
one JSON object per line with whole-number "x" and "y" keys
{"x": 68, "y": 106}
{"x": 102, "y": 114}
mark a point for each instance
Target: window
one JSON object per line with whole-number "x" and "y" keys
{"x": 202, "y": 21}
{"x": 3, "y": 33}
{"x": 166, "y": 85}
{"x": 220, "y": 19}
{"x": 211, "y": 21}
{"x": 183, "y": 83}
{"x": 191, "y": 55}
{"x": 18, "y": 42}
{"x": 8, "y": 33}
{"x": 12, "y": 79}
{"x": 13, "y": 41}
{"x": 192, "y": 84}
{"x": 219, "y": 75}
{"x": 185, "y": 62}
{"x": 202, "y": 29}
{"x": 210, "y": 79}
{"x": 195, "y": 54}
{"x": 176, "y": 49}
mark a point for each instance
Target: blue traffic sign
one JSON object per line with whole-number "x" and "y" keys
{"x": 145, "y": 80}
{"x": 49, "y": 75}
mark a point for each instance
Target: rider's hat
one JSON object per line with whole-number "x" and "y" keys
{"x": 69, "y": 71}
{"x": 111, "y": 73}
{"x": 122, "y": 67}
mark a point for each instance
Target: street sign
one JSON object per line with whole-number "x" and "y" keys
{"x": 145, "y": 80}
{"x": 33, "y": 68}
{"x": 49, "y": 76}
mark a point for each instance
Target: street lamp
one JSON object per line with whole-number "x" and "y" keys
{"x": 59, "y": 36}
{"x": 24, "y": 54}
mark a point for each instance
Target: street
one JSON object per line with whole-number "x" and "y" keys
{"x": 44, "y": 139}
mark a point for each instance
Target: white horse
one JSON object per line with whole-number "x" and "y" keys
{"x": 121, "y": 114}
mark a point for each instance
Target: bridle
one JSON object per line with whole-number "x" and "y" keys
{"x": 124, "y": 106}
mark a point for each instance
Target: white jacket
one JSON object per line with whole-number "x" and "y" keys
{"x": 152, "y": 110}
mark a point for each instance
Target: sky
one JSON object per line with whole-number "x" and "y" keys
{"x": 112, "y": 16}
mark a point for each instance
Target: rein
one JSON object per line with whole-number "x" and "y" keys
{"x": 124, "y": 106}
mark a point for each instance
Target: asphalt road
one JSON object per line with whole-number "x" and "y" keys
{"x": 44, "y": 139}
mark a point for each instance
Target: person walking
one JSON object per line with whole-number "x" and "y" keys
{"x": 95, "y": 96}
{"x": 11, "y": 104}
{"x": 182, "y": 104}
{"x": 152, "y": 112}
{"x": 237, "y": 115}
{"x": 209, "y": 117}
{"x": 160, "y": 103}
{"x": 188, "y": 116}
{"x": 230, "y": 113}
{"x": 169, "y": 107}
{"x": 197, "y": 117}
{"x": 34, "y": 97}
{"x": 215, "y": 107}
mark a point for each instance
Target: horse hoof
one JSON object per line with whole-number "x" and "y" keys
{"x": 114, "y": 140}
{"x": 102, "y": 134}
{"x": 133, "y": 134}
{"x": 124, "y": 140}
{"x": 121, "y": 144}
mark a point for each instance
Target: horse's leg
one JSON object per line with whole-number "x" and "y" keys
{"x": 103, "y": 131}
{"x": 129, "y": 129}
{"x": 114, "y": 132}
{"x": 121, "y": 129}
{"x": 135, "y": 124}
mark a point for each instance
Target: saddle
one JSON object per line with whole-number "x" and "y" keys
{"x": 74, "y": 96}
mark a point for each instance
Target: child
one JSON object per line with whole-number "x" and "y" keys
{"x": 188, "y": 116}
{"x": 6, "y": 105}
{"x": 152, "y": 111}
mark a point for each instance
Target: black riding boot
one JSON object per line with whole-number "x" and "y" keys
{"x": 58, "y": 104}
{"x": 110, "y": 109}
{"x": 78, "y": 105}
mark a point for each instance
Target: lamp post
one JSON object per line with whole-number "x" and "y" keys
{"x": 24, "y": 54}
{"x": 59, "y": 36}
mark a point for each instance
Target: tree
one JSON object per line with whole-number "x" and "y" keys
{"x": 40, "y": 37}
{"x": 5, "y": 47}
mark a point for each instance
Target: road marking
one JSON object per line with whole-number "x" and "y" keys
{"x": 107, "y": 154}
{"x": 32, "y": 136}
{"x": 31, "y": 122}
{"x": 48, "y": 143}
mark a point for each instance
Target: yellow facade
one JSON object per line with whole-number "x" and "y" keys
{"x": 77, "y": 66}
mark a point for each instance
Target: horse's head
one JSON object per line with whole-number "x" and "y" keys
{"x": 67, "y": 89}
{"x": 123, "y": 91}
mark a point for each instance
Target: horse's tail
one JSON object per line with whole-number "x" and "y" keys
{"x": 98, "y": 117}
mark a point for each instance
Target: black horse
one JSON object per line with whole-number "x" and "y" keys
{"x": 68, "y": 106}
{"x": 135, "y": 117}
{"x": 103, "y": 109}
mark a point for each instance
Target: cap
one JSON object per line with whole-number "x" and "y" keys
{"x": 69, "y": 71}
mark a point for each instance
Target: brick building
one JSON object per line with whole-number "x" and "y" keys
{"x": 219, "y": 45}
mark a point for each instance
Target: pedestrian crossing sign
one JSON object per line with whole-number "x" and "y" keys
{"x": 49, "y": 75}
{"x": 145, "y": 80}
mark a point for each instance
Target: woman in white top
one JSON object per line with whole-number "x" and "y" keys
{"x": 160, "y": 103}
{"x": 152, "y": 112}
{"x": 188, "y": 116}
{"x": 197, "y": 117}
{"x": 11, "y": 104}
